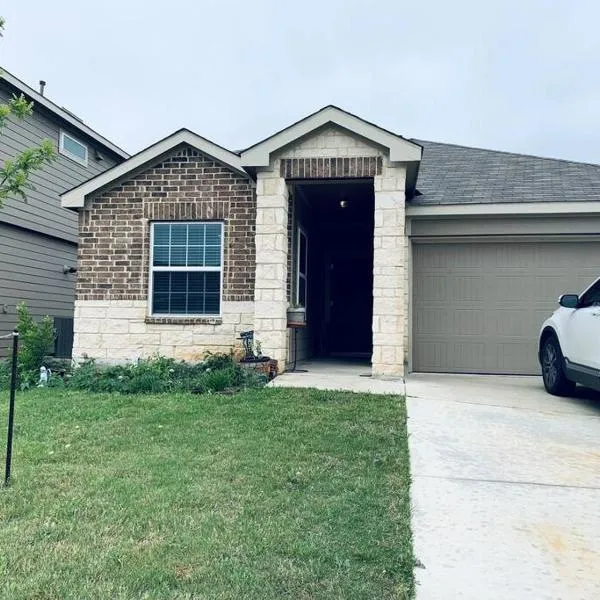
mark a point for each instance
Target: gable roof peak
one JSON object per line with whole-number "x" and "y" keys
{"x": 75, "y": 198}
{"x": 399, "y": 148}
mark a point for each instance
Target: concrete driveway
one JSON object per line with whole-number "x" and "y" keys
{"x": 506, "y": 489}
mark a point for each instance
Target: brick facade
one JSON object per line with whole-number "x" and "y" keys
{"x": 326, "y": 167}
{"x": 114, "y": 227}
{"x": 112, "y": 321}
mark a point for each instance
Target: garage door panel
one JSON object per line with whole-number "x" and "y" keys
{"x": 509, "y": 357}
{"x": 429, "y": 353}
{"x": 468, "y": 322}
{"x": 546, "y": 285}
{"x": 433, "y": 287}
{"x": 468, "y": 352}
{"x": 511, "y": 257}
{"x": 507, "y": 322}
{"x": 465, "y": 257}
{"x": 466, "y": 288}
{"x": 433, "y": 321}
{"x": 508, "y": 287}
{"x": 478, "y": 306}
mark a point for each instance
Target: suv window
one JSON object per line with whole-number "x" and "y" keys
{"x": 591, "y": 297}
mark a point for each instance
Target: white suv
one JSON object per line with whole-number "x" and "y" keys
{"x": 569, "y": 350}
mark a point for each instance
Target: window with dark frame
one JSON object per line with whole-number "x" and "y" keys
{"x": 186, "y": 266}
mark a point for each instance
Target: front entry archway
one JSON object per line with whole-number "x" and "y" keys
{"x": 345, "y": 148}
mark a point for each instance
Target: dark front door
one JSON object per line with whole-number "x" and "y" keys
{"x": 351, "y": 306}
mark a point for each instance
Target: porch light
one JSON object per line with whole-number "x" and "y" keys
{"x": 343, "y": 203}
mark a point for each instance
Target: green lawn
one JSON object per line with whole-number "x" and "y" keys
{"x": 271, "y": 493}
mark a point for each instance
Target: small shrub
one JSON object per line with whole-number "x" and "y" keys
{"x": 36, "y": 339}
{"x": 84, "y": 376}
{"x": 158, "y": 374}
{"x": 217, "y": 361}
{"x": 4, "y": 374}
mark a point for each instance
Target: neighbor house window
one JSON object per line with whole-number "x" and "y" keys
{"x": 301, "y": 267}
{"x": 73, "y": 148}
{"x": 186, "y": 268}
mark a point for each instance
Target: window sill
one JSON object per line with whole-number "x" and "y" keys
{"x": 184, "y": 320}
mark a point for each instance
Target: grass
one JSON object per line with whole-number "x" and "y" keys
{"x": 270, "y": 493}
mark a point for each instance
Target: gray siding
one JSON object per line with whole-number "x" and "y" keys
{"x": 31, "y": 270}
{"x": 38, "y": 237}
{"x": 42, "y": 212}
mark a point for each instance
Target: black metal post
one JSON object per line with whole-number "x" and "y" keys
{"x": 11, "y": 408}
{"x": 295, "y": 344}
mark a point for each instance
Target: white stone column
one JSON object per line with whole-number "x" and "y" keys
{"x": 389, "y": 274}
{"x": 270, "y": 296}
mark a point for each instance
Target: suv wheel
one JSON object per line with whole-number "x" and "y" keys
{"x": 553, "y": 372}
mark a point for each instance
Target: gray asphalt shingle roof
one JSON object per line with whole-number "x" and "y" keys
{"x": 452, "y": 174}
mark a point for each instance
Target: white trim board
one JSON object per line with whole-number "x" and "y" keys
{"x": 400, "y": 149}
{"x": 75, "y": 198}
{"x": 509, "y": 208}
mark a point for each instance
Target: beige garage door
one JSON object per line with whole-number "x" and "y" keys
{"x": 478, "y": 307}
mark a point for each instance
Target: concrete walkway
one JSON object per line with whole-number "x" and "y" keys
{"x": 339, "y": 375}
{"x": 506, "y": 489}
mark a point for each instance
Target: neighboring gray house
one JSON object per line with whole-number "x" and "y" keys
{"x": 420, "y": 255}
{"x": 38, "y": 239}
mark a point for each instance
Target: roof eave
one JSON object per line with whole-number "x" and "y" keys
{"x": 75, "y": 198}
{"x": 61, "y": 113}
{"x": 400, "y": 149}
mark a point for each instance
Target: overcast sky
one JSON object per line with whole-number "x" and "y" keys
{"x": 522, "y": 76}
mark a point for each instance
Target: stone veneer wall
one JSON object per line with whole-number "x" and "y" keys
{"x": 334, "y": 153}
{"x": 111, "y": 307}
{"x": 271, "y": 293}
{"x": 390, "y": 274}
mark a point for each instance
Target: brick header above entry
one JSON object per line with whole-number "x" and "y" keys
{"x": 331, "y": 168}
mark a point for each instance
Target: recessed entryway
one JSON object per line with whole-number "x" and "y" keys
{"x": 332, "y": 266}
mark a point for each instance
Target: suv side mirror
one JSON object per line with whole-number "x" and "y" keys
{"x": 569, "y": 300}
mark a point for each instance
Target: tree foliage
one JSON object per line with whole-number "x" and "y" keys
{"x": 15, "y": 172}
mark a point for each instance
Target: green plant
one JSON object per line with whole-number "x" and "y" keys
{"x": 262, "y": 495}
{"x": 36, "y": 339}
{"x": 15, "y": 172}
{"x": 158, "y": 374}
{"x": 4, "y": 374}
{"x": 217, "y": 361}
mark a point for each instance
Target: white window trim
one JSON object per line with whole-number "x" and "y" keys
{"x": 152, "y": 269}
{"x": 65, "y": 152}
{"x": 299, "y": 275}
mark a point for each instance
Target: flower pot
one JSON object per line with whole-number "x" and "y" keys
{"x": 264, "y": 366}
{"x": 296, "y": 317}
